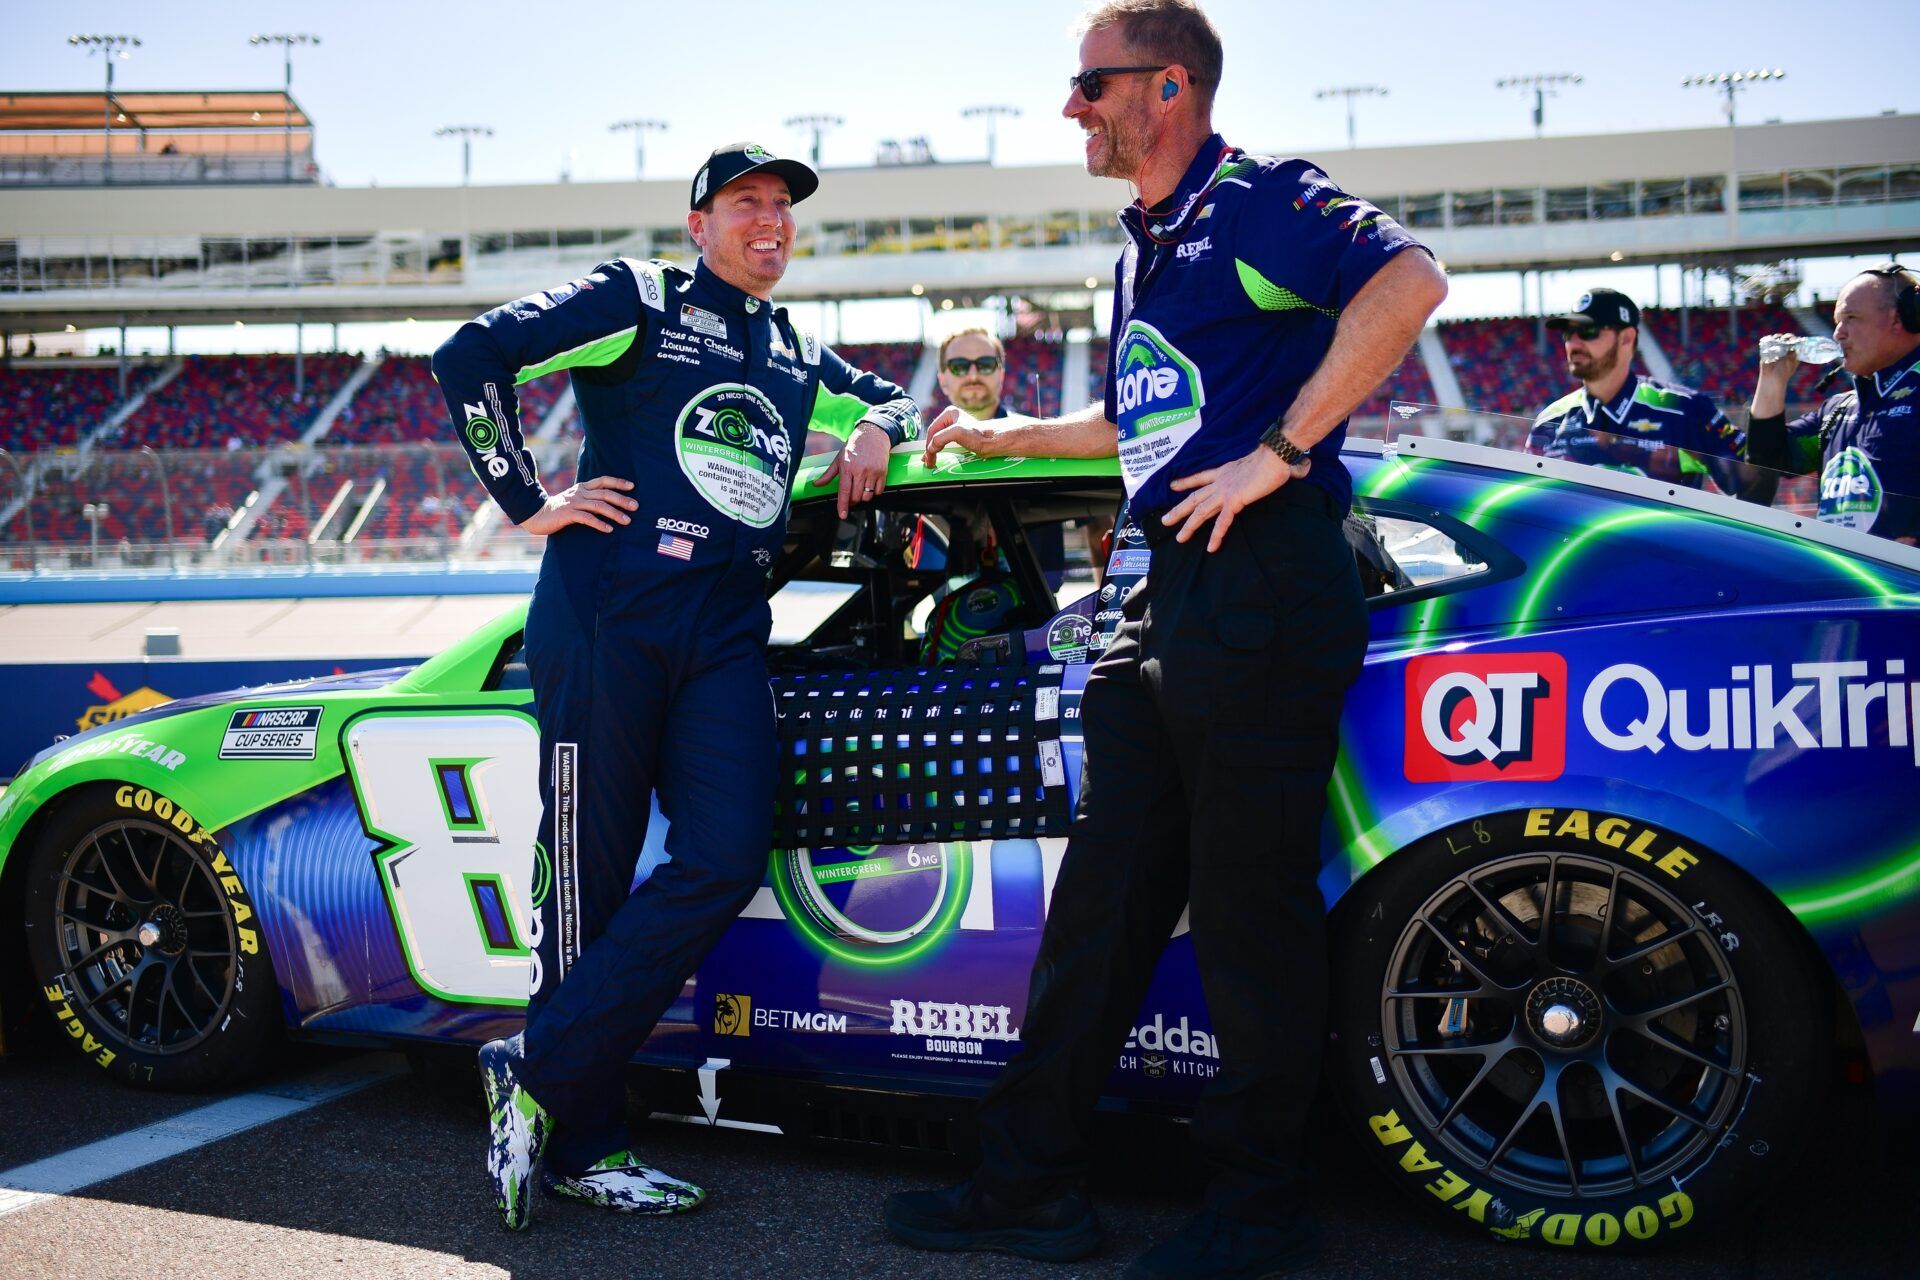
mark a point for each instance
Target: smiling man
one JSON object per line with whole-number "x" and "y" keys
{"x": 646, "y": 640}
{"x": 1256, "y": 304}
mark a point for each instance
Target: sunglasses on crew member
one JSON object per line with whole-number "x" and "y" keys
{"x": 1584, "y": 332}
{"x": 958, "y": 366}
{"x": 1088, "y": 81}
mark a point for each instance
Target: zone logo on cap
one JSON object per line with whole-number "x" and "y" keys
{"x": 1489, "y": 718}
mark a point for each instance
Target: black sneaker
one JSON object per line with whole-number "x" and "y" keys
{"x": 1220, "y": 1248}
{"x": 964, "y": 1217}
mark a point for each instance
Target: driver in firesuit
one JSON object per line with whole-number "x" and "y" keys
{"x": 646, "y": 641}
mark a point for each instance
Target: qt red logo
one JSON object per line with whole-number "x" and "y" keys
{"x": 1490, "y": 718}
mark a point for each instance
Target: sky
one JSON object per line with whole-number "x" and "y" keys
{"x": 550, "y": 78}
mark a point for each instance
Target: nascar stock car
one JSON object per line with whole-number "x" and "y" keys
{"x": 1619, "y": 858}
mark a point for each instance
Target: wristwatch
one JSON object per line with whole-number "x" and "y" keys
{"x": 1287, "y": 451}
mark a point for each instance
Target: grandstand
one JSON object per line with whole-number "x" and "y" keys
{"x": 233, "y": 460}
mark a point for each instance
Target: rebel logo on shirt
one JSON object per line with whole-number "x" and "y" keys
{"x": 1850, "y": 491}
{"x": 1493, "y": 717}
{"x": 733, "y": 448}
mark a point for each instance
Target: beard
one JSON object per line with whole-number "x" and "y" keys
{"x": 1594, "y": 367}
{"x": 1121, "y": 152}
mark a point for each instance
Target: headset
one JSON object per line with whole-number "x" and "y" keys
{"x": 1168, "y": 89}
{"x": 1906, "y": 298}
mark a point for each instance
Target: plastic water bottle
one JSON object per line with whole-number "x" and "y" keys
{"x": 1811, "y": 349}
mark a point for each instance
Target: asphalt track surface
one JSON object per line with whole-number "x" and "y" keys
{"x": 389, "y": 1181}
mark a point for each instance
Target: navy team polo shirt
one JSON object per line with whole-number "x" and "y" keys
{"x": 1223, "y": 308}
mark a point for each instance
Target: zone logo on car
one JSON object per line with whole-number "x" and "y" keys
{"x": 1486, "y": 717}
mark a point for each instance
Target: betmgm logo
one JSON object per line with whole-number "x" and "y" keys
{"x": 732, "y": 1015}
{"x": 1494, "y": 718}
{"x": 1155, "y": 386}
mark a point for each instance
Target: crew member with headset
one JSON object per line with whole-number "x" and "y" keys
{"x": 1256, "y": 305}
{"x": 1864, "y": 441}
{"x": 646, "y": 639}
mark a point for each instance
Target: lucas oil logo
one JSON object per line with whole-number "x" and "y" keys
{"x": 1850, "y": 492}
{"x": 1498, "y": 717}
{"x": 733, "y": 449}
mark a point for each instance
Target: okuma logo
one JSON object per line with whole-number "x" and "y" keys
{"x": 1850, "y": 492}
{"x": 1501, "y": 717}
{"x": 1157, "y": 387}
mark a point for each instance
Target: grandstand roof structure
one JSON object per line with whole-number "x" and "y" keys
{"x": 198, "y": 255}
{"x": 231, "y": 109}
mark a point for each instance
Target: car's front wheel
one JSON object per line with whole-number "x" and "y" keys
{"x": 1572, "y": 1027}
{"x": 145, "y": 944}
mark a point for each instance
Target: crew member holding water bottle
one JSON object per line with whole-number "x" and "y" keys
{"x": 1863, "y": 441}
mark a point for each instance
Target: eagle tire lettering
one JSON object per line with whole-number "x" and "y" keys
{"x": 1699, "y": 935}
{"x": 90, "y": 1001}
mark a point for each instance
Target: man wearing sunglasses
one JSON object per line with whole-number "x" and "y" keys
{"x": 1626, "y": 420}
{"x": 1256, "y": 304}
{"x": 972, "y": 372}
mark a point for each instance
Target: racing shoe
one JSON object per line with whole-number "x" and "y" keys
{"x": 519, "y": 1132}
{"x": 967, "y": 1217}
{"x": 622, "y": 1182}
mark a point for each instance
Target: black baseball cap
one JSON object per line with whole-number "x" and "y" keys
{"x": 738, "y": 158}
{"x": 1601, "y": 308}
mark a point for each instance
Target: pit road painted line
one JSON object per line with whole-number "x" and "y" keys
{"x": 63, "y": 1174}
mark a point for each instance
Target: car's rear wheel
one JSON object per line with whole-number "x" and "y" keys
{"x": 1572, "y": 1027}
{"x": 144, "y": 942}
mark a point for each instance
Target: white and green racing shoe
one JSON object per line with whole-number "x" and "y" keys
{"x": 519, "y": 1132}
{"x": 622, "y": 1182}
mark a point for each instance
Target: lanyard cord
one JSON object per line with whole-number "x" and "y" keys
{"x": 1180, "y": 233}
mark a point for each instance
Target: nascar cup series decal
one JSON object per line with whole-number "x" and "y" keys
{"x": 733, "y": 447}
{"x": 1850, "y": 492}
{"x": 1158, "y": 395}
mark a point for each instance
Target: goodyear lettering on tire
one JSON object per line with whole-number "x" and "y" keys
{"x": 151, "y": 804}
{"x": 1641, "y": 1222}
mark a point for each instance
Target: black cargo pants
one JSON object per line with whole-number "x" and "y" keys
{"x": 1211, "y": 729}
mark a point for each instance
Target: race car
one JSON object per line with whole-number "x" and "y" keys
{"x": 1618, "y": 859}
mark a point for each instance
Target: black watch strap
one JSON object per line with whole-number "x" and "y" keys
{"x": 1287, "y": 451}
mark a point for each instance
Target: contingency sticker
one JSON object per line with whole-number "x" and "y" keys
{"x": 1068, "y": 636}
{"x": 734, "y": 449}
{"x": 272, "y": 733}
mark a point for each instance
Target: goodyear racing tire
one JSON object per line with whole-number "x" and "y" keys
{"x": 144, "y": 943}
{"x": 1569, "y": 1027}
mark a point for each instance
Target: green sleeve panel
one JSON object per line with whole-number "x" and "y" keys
{"x": 598, "y": 352}
{"x": 837, "y": 414}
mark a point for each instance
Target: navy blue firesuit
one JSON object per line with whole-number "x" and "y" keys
{"x": 647, "y": 645}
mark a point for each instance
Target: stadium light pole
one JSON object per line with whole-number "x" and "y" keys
{"x": 991, "y": 113}
{"x": 1731, "y": 83}
{"x": 1543, "y": 85}
{"x": 286, "y": 41}
{"x": 112, "y": 49}
{"x": 466, "y": 133}
{"x": 1350, "y": 92}
{"x": 816, "y": 125}
{"x": 640, "y": 129}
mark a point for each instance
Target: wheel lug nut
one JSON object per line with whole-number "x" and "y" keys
{"x": 1722, "y": 1022}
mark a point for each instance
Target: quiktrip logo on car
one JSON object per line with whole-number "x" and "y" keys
{"x": 1491, "y": 717}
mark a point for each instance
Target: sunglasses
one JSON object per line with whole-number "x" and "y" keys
{"x": 1586, "y": 332}
{"x": 985, "y": 364}
{"x": 1089, "y": 84}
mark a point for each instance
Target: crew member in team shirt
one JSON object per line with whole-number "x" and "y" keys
{"x": 1863, "y": 441}
{"x": 1626, "y": 420}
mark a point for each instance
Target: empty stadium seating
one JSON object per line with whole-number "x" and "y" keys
{"x": 1714, "y": 362}
{"x": 53, "y": 407}
{"x": 402, "y": 402}
{"x": 147, "y": 498}
{"x": 233, "y": 401}
{"x": 424, "y": 492}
